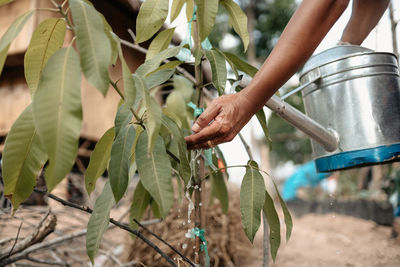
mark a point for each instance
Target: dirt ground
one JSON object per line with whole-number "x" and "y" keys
{"x": 335, "y": 240}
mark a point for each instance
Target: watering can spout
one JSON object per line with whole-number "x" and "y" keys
{"x": 327, "y": 138}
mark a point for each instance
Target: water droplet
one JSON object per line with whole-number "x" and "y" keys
{"x": 194, "y": 247}
{"x": 200, "y": 189}
{"x": 174, "y": 259}
{"x": 184, "y": 246}
{"x": 189, "y": 221}
{"x": 196, "y": 187}
{"x": 200, "y": 204}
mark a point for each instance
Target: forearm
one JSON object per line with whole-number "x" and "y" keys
{"x": 306, "y": 29}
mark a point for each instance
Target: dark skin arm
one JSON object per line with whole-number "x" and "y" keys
{"x": 305, "y": 30}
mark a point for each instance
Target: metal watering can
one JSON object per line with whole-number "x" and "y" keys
{"x": 352, "y": 100}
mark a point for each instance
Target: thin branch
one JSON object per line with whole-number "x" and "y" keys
{"x": 246, "y": 146}
{"x": 48, "y": 262}
{"x": 16, "y": 240}
{"x": 165, "y": 242}
{"x": 118, "y": 224}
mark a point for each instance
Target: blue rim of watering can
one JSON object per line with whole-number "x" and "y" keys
{"x": 358, "y": 158}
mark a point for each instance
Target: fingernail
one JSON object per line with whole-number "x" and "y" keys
{"x": 195, "y": 127}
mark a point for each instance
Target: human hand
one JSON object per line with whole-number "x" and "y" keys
{"x": 221, "y": 121}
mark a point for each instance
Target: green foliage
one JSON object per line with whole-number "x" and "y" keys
{"x": 4, "y": 2}
{"x": 99, "y": 160}
{"x": 92, "y": 41}
{"x": 47, "y": 38}
{"x": 252, "y": 197}
{"x": 274, "y": 224}
{"x": 155, "y": 172}
{"x": 145, "y": 137}
{"x": 99, "y": 221}
{"x": 10, "y": 35}
{"x": 151, "y": 17}
{"x": 23, "y": 159}
{"x": 206, "y": 13}
{"x": 59, "y": 125}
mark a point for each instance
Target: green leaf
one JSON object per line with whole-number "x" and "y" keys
{"x": 160, "y": 42}
{"x": 286, "y": 214}
{"x": 151, "y": 17}
{"x": 120, "y": 161}
{"x": 176, "y": 9}
{"x": 99, "y": 221}
{"x": 218, "y": 68}
{"x": 10, "y": 35}
{"x": 153, "y": 63}
{"x": 93, "y": 44}
{"x": 184, "y": 166}
{"x": 4, "y": 2}
{"x": 114, "y": 40}
{"x": 159, "y": 77}
{"x": 122, "y": 119}
{"x": 238, "y": 19}
{"x": 46, "y": 40}
{"x": 140, "y": 202}
{"x": 14, "y": 29}
{"x": 176, "y": 105}
{"x": 184, "y": 87}
{"x": 206, "y": 13}
{"x": 153, "y": 112}
{"x": 155, "y": 171}
{"x": 219, "y": 189}
{"x": 241, "y": 64}
{"x": 23, "y": 159}
{"x": 129, "y": 84}
{"x": 3, "y": 57}
{"x": 189, "y": 9}
{"x": 156, "y": 210}
{"x": 274, "y": 225}
{"x": 57, "y": 112}
{"x": 263, "y": 122}
{"x": 252, "y": 197}
{"x": 99, "y": 160}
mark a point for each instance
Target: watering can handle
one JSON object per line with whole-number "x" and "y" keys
{"x": 301, "y": 87}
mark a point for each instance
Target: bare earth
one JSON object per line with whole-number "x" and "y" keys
{"x": 335, "y": 240}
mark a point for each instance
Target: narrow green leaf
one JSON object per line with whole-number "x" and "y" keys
{"x": 23, "y": 159}
{"x": 176, "y": 9}
{"x": 99, "y": 221}
{"x": 153, "y": 63}
{"x": 160, "y": 42}
{"x": 252, "y": 197}
{"x": 47, "y": 38}
{"x": 140, "y": 202}
{"x": 189, "y": 9}
{"x": 274, "y": 224}
{"x": 114, "y": 40}
{"x": 153, "y": 112}
{"x": 151, "y": 17}
{"x": 156, "y": 210}
{"x": 263, "y": 122}
{"x": 218, "y": 67}
{"x": 4, "y": 2}
{"x": 176, "y": 105}
{"x": 122, "y": 119}
{"x": 238, "y": 19}
{"x": 155, "y": 171}
{"x": 241, "y": 64}
{"x": 219, "y": 189}
{"x": 57, "y": 112}
{"x": 159, "y": 77}
{"x": 3, "y": 57}
{"x": 206, "y": 13}
{"x": 184, "y": 87}
{"x": 10, "y": 35}
{"x": 14, "y": 29}
{"x": 184, "y": 166}
{"x": 129, "y": 84}
{"x": 120, "y": 161}
{"x": 286, "y": 214}
{"x": 99, "y": 160}
{"x": 93, "y": 44}
{"x": 198, "y": 54}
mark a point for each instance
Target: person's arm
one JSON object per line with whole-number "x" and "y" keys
{"x": 227, "y": 115}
